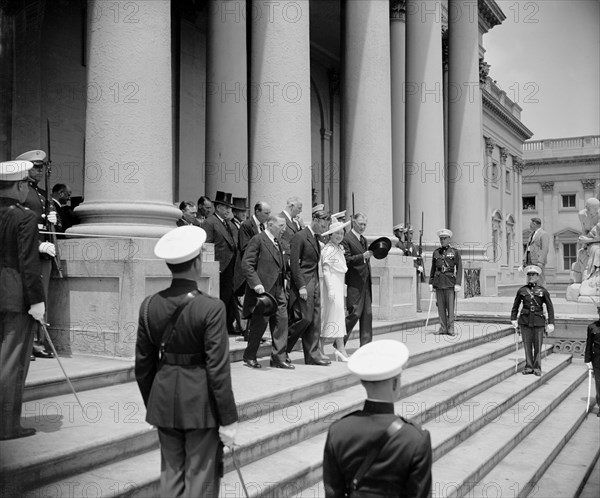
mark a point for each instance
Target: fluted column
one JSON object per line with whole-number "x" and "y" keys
{"x": 465, "y": 157}
{"x": 279, "y": 93}
{"x": 398, "y": 72}
{"x": 424, "y": 114}
{"x": 226, "y": 99}
{"x": 128, "y": 183}
{"x": 367, "y": 112}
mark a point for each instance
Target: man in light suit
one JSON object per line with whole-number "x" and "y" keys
{"x": 221, "y": 232}
{"x": 305, "y": 295}
{"x": 183, "y": 372}
{"x": 263, "y": 267}
{"x": 358, "y": 280}
{"x": 536, "y": 252}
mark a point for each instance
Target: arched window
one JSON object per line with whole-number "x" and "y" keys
{"x": 510, "y": 238}
{"x": 496, "y": 234}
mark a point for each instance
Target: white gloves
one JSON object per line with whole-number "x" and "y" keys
{"x": 51, "y": 217}
{"x": 259, "y": 289}
{"x": 457, "y": 288}
{"x": 515, "y": 324}
{"x": 550, "y": 328}
{"x": 589, "y": 365}
{"x": 227, "y": 434}
{"x": 430, "y": 288}
{"x": 47, "y": 248}
{"x": 37, "y": 311}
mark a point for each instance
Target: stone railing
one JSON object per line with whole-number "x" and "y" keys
{"x": 592, "y": 141}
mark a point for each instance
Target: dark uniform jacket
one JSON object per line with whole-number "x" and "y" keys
{"x": 304, "y": 257}
{"x": 20, "y": 272}
{"x": 402, "y": 468}
{"x": 225, "y": 244}
{"x": 592, "y": 344}
{"x": 358, "y": 276}
{"x": 262, "y": 265}
{"x": 185, "y": 397}
{"x": 446, "y": 268}
{"x": 532, "y": 313}
{"x": 36, "y": 201}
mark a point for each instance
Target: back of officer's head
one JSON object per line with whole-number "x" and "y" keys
{"x": 181, "y": 248}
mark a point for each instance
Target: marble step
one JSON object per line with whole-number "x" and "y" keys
{"x": 466, "y": 464}
{"x": 591, "y": 489}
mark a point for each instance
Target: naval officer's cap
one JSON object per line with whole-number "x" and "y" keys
{"x": 317, "y": 208}
{"x": 378, "y": 360}
{"x": 180, "y": 244}
{"x": 14, "y": 171}
{"x": 337, "y": 216}
{"x": 444, "y": 232}
{"x": 533, "y": 269}
{"x": 33, "y": 156}
{"x": 399, "y": 226}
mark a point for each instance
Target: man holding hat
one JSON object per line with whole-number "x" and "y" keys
{"x": 536, "y": 252}
{"x": 592, "y": 353}
{"x": 263, "y": 267}
{"x": 445, "y": 277}
{"x": 531, "y": 320}
{"x": 373, "y": 452}
{"x": 22, "y": 294}
{"x": 182, "y": 370}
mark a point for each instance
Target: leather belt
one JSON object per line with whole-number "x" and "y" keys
{"x": 185, "y": 359}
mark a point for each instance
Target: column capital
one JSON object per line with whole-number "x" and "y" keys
{"x": 398, "y": 10}
{"x": 588, "y": 183}
{"x": 517, "y": 164}
{"x": 503, "y": 154}
{"x": 547, "y": 186}
{"x": 484, "y": 69}
{"x": 490, "y": 143}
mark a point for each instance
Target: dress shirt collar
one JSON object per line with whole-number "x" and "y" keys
{"x": 257, "y": 222}
{"x": 356, "y": 234}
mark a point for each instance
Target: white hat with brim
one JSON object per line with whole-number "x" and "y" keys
{"x": 336, "y": 227}
{"x": 14, "y": 171}
{"x": 444, "y": 232}
{"x": 180, "y": 244}
{"x": 317, "y": 208}
{"x": 32, "y": 155}
{"x": 399, "y": 226}
{"x": 341, "y": 214}
{"x": 378, "y": 360}
{"x": 533, "y": 269}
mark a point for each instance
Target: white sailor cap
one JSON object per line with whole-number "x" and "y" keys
{"x": 444, "y": 232}
{"x": 341, "y": 214}
{"x": 180, "y": 244}
{"x": 533, "y": 269}
{"x": 378, "y": 360}
{"x": 13, "y": 171}
{"x": 317, "y": 208}
{"x": 335, "y": 226}
{"x": 32, "y": 155}
{"x": 399, "y": 226}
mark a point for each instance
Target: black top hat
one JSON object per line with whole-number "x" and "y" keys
{"x": 239, "y": 204}
{"x": 223, "y": 198}
{"x": 380, "y": 247}
{"x": 265, "y": 304}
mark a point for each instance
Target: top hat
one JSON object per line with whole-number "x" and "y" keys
{"x": 223, "y": 198}
{"x": 265, "y": 304}
{"x": 380, "y": 247}
{"x": 239, "y": 204}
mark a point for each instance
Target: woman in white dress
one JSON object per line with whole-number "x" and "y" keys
{"x": 333, "y": 310}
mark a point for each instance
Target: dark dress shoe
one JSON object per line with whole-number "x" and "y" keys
{"x": 527, "y": 372}
{"x": 252, "y": 363}
{"x": 21, "y": 432}
{"x": 288, "y": 360}
{"x": 321, "y": 363}
{"x": 280, "y": 364}
{"x": 537, "y": 373}
{"x": 43, "y": 354}
{"x": 31, "y": 358}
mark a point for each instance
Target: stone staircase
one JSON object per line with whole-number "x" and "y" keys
{"x": 494, "y": 433}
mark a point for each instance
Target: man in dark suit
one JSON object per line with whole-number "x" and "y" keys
{"x": 358, "y": 280}
{"x": 592, "y": 354}
{"x": 253, "y": 225}
{"x": 292, "y": 224}
{"x": 399, "y": 450}
{"x": 263, "y": 267}
{"x": 61, "y": 195}
{"x": 22, "y": 294}
{"x": 221, "y": 232}
{"x": 182, "y": 370}
{"x": 305, "y": 295}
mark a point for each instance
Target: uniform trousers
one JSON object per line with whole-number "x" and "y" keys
{"x": 227, "y": 295}
{"x": 533, "y": 337}
{"x": 16, "y": 340}
{"x": 190, "y": 462}
{"x": 361, "y": 312}
{"x": 596, "y": 367}
{"x": 306, "y": 316}
{"x": 40, "y": 342}
{"x": 445, "y": 305}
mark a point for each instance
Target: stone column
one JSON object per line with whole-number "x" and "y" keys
{"x": 279, "y": 93}
{"x": 366, "y": 122}
{"x": 465, "y": 157}
{"x": 424, "y": 171}
{"x": 129, "y": 159}
{"x": 226, "y": 99}
{"x": 398, "y": 72}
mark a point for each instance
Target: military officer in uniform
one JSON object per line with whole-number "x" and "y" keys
{"x": 445, "y": 278}
{"x": 531, "y": 320}
{"x": 373, "y": 452}
{"x": 36, "y": 201}
{"x": 22, "y": 294}
{"x": 399, "y": 234}
{"x": 182, "y": 370}
{"x": 592, "y": 354}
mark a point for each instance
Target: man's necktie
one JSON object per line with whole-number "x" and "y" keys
{"x": 363, "y": 242}
{"x": 318, "y": 245}
{"x": 262, "y": 227}
{"x": 228, "y": 227}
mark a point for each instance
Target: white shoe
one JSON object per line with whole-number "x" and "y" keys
{"x": 340, "y": 357}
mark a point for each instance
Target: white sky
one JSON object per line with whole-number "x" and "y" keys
{"x": 546, "y": 57}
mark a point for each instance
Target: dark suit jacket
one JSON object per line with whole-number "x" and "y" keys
{"x": 225, "y": 245}
{"x": 286, "y": 237}
{"x": 402, "y": 468}
{"x": 358, "y": 276}
{"x": 592, "y": 344}
{"x": 262, "y": 264}
{"x": 248, "y": 229}
{"x": 304, "y": 258}
{"x": 185, "y": 397}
